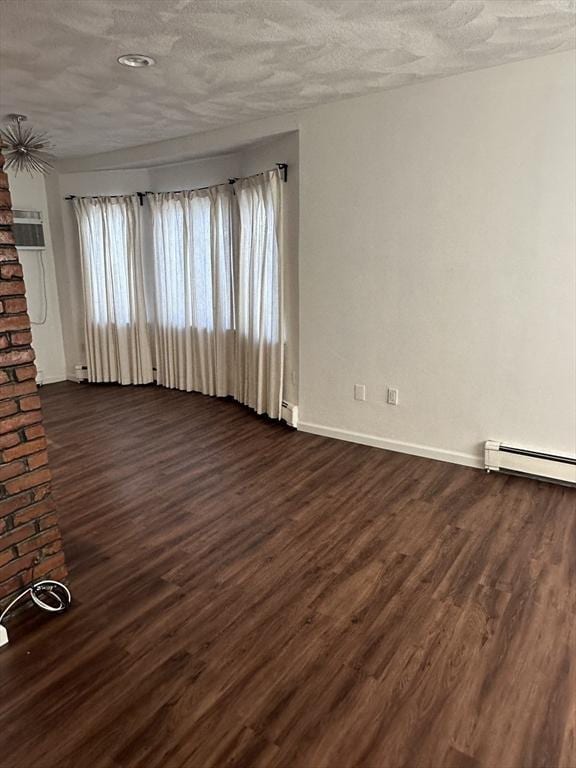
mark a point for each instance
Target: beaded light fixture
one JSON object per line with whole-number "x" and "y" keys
{"x": 24, "y": 148}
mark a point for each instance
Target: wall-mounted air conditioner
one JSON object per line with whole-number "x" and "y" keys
{"x": 28, "y": 230}
{"x": 499, "y": 457}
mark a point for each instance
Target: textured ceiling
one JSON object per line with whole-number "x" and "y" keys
{"x": 228, "y": 61}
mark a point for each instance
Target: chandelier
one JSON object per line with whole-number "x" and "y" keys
{"x": 25, "y": 148}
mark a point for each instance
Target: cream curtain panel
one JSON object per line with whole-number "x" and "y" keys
{"x": 259, "y": 306}
{"x": 116, "y": 333}
{"x": 213, "y": 322}
{"x": 193, "y": 290}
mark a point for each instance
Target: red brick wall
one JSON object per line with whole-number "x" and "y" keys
{"x": 30, "y": 541}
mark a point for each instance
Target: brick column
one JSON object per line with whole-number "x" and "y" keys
{"x": 30, "y": 541}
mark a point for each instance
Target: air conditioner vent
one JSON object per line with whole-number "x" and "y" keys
{"x": 28, "y": 230}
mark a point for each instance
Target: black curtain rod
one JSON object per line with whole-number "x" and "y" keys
{"x": 141, "y": 196}
{"x": 283, "y": 167}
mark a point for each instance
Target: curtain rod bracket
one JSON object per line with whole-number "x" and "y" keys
{"x": 284, "y": 168}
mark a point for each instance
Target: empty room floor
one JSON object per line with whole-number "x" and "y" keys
{"x": 247, "y": 595}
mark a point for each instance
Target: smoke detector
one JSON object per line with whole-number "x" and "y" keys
{"x": 136, "y": 60}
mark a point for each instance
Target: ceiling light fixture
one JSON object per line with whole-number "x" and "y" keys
{"x": 24, "y": 147}
{"x": 136, "y": 60}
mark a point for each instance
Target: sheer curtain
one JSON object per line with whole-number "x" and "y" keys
{"x": 193, "y": 286}
{"x": 213, "y": 322}
{"x": 259, "y": 304}
{"x": 116, "y": 332}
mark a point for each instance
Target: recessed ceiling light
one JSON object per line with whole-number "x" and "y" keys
{"x": 136, "y": 60}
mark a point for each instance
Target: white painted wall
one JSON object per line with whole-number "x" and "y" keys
{"x": 29, "y": 193}
{"x": 438, "y": 256}
{"x": 203, "y": 172}
{"x": 437, "y": 242}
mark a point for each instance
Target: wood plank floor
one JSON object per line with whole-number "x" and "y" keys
{"x": 246, "y": 595}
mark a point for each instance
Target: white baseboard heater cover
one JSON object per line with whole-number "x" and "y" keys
{"x": 290, "y": 413}
{"x": 80, "y": 372}
{"x": 500, "y": 457}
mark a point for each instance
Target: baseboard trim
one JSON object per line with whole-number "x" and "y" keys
{"x": 424, "y": 451}
{"x": 54, "y": 379}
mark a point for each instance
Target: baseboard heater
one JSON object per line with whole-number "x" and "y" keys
{"x": 499, "y": 457}
{"x": 81, "y": 373}
{"x": 289, "y": 413}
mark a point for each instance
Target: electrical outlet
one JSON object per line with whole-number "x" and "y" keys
{"x": 359, "y": 392}
{"x": 392, "y": 398}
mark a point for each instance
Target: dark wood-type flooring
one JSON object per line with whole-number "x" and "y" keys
{"x": 247, "y": 595}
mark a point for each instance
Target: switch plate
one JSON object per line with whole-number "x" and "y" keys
{"x": 392, "y": 398}
{"x": 359, "y": 392}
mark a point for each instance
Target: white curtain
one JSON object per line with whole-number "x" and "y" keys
{"x": 214, "y": 319}
{"x": 116, "y": 332}
{"x": 218, "y": 310}
{"x": 259, "y": 313}
{"x": 193, "y": 290}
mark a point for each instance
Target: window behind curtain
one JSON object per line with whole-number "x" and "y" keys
{"x": 259, "y": 276}
{"x": 259, "y": 297}
{"x": 192, "y": 260}
{"x": 104, "y": 231}
{"x": 193, "y": 275}
{"x": 217, "y": 323}
{"x": 116, "y": 332}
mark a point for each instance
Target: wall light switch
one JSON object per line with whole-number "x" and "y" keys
{"x": 359, "y": 392}
{"x": 392, "y": 398}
